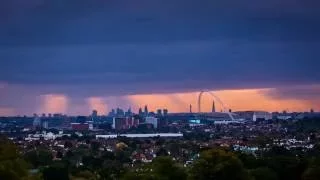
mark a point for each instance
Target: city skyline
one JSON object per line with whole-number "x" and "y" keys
{"x": 237, "y": 100}
{"x": 75, "y": 56}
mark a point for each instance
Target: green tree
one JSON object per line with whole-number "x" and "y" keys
{"x": 107, "y": 155}
{"x": 12, "y": 167}
{"x": 218, "y": 165}
{"x": 92, "y": 162}
{"x": 162, "y": 168}
{"x": 38, "y": 157}
{"x": 84, "y": 175}
{"x": 137, "y": 176}
{"x": 162, "y": 152}
{"x": 313, "y": 170}
{"x": 95, "y": 145}
{"x": 285, "y": 163}
{"x": 111, "y": 169}
{"x": 123, "y": 156}
{"x": 56, "y": 172}
{"x": 165, "y": 168}
{"x": 312, "y": 173}
{"x": 263, "y": 173}
{"x": 249, "y": 161}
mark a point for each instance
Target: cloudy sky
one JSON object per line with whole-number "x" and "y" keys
{"x": 72, "y": 56}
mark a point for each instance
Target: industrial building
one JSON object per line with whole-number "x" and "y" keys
{"x": 254, "y": 115}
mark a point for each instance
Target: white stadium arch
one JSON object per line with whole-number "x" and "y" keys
{"x": 215, "y": 98}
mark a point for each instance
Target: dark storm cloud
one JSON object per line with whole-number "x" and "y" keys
{"x": 48, "y": 22}
{"x": 84, "y": 48}
{"x": 309, "y": 93}
{"x": 168, "y": 67}
{"x": 20, "y": 99}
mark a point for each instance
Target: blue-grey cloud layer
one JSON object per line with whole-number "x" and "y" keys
{"x": 48, "y": 22}
{"x": 125, "y": 47}
{"x": 308, "y": 93}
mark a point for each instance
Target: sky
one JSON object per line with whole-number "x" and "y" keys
{"x": 72, "y": 56}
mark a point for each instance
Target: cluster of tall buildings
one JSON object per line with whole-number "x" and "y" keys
{"x": 120, "y": 112}
{"x": 122, "y": 123}
{"x": 41, "y": 122}
{"x": 159, "y": 112}
{"x": 125, "y": 120}
{"x": 118, "y": 119}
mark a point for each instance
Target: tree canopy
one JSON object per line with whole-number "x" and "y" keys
{"x": 12, "y": 167}
{"x": 218, "y": 165}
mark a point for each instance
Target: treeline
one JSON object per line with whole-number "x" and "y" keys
{"x": 305, "y": 125}
{"x": 217, "y": 164}
{"x": 221, "y": 164}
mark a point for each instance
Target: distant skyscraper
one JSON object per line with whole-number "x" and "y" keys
{"x": 153, "y": 121}
{"x": 119, "y": 123}
{"x": 311, "y": 111}
{"x": 45, "y": 124}
{"x": 94, "y": 115}
{"x": 129, "y": 112}
{"x": 162, "y": 122}
{"x": 159, "y": 112}
{"x": 120, "y": 112}
{"x": 213, "y": 107}
{"x": 66, "y": 123}
{"x": 36, "y": 121}
{"x": 165, "y": 112}
{"x": 112, "y": 113}
{"x": 140, "y": 111}
{"x": 190, "y": 108}
{"x": 146, "y": 112}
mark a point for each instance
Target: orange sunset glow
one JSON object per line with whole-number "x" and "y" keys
{"x": 237, "y": 100}
{"x": 7, "y": 111}
{"x": 54, "y": 103}
{"x": 98, "y": 104}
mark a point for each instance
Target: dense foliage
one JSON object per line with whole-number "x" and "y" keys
{"x": 85, "y": 158}
{"x": 12, "y": 166}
